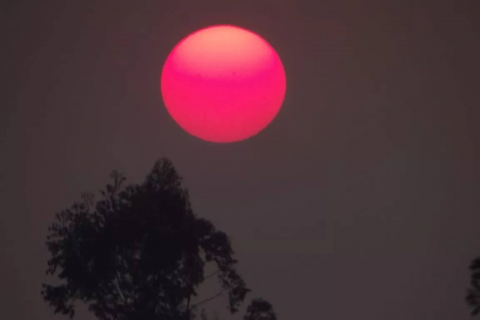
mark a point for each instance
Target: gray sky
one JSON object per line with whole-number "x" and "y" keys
{"x": 360, "y": 201}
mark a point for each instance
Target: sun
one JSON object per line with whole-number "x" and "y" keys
{"x": 223, "y": 83}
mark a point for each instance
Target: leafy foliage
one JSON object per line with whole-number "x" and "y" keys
{"x": 473, "y": 295}
{"x": 260, "y": 309}
{"x": 139, "y": 253}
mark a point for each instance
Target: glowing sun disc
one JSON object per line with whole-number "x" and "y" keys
{"x": 223, "y": 83}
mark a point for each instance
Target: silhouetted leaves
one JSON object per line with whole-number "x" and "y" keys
{"x": 139, "y": 253}
{"x": 260, "y": 309}
{"x": 473, "y": 295}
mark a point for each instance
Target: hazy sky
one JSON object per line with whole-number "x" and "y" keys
{"x": 360, "y": 201}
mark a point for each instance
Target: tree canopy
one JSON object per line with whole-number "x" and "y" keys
{"x": 473, "y": 295}
{"x": 140, "y": 252}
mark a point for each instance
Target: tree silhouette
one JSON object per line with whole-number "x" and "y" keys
{"x": 140, "y": 253}
{"x": 473, "y": 295}
{"x": 260, "y": 309}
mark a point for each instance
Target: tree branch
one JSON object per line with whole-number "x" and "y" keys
{"x": 211, "y": 275}
{"x": 208, "y": 299}
{"x": 119, "y": 289}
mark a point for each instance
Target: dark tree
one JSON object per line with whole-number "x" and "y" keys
{"x": 473, "y": 295}
{"x": 260, "y": 309}
{"x": 139, "y": 253}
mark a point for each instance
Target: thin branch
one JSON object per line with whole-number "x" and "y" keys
{"x": 208, "y": 299}
{"x": 188, "y": 302}
{"x": 211, "y": 275}
{"x": 187, "y": 309}
{"x": 119, "y": 289}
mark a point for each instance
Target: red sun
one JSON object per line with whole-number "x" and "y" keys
{"x": 223, "y": 83}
